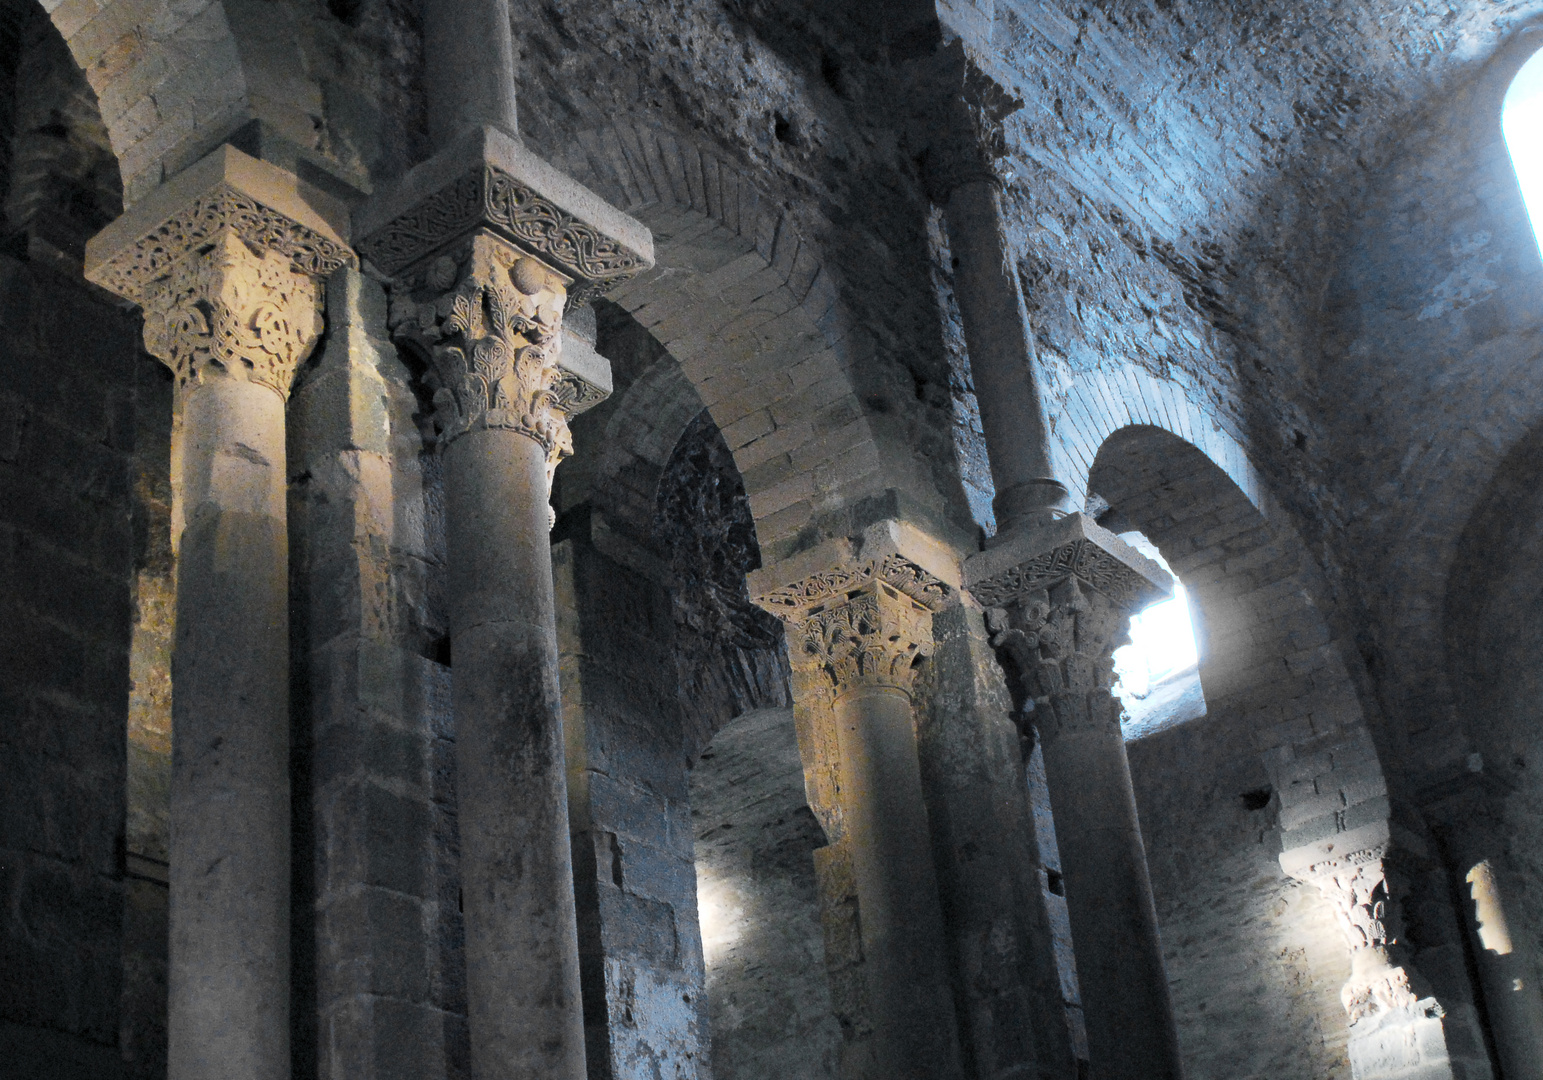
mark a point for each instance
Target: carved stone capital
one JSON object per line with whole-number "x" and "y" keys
{"x": 865, "y": 624}
{"x": 1073, "y": 548}
{"x": 227, "y": 307}
{"x": 489, "y": 317}
{"x": 969, "y": 136}
{"x": 1350, "y": 871}
{"x": 1058, "y": 602}
{"x": 868, "y": 639}
{"x": 489, "y": 183}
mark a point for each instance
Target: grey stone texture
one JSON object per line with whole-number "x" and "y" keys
{"x": 768, "y": 995}
{"x": 1281, "y": 296}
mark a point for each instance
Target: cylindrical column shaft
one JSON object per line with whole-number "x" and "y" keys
{"x": 1508, "y": 974}
{"x": 901, "y": 919}
{"x": 1125, "y": 995}
{"x": 468, "y": 48}
{"x": 522, "y": 962}
{"x": 229, "y": 946}
{"x": 1001, "y": 345}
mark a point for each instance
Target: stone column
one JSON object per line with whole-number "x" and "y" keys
{"x": 225, "y": 260}
{"x": 862, "y": 622}
{"x": 1398, "y": 1027}
{"x": 1058, "y": 601}
{"x": 487, "y": 245}
{"x": 963, "y": 178}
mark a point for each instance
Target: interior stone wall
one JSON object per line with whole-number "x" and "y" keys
{"x": 769, "y": 1004}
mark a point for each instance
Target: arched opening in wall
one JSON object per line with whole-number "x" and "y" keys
{"x": 1521, "y": 121}
{"x": 1255, "y": 960}
{"x": 1490, "y": 817}
{"x": 769, "y": 1002}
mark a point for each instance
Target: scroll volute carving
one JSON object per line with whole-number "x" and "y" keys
{"x": 225, "y": 306}
{"x": 490, "y": 319}
{"x": 1060, "y": 642}
{"x": 872, "y": 638}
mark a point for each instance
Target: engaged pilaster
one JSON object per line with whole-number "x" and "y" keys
{"x": 225, "y": 261}
{"x": 487, "y": 244}
{"x": 1058, "y": 600}
{"x": 859, "y": 617}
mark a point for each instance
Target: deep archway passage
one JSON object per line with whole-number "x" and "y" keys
{"x": 1254, "y": 958}
{"x": 768, "y": 998}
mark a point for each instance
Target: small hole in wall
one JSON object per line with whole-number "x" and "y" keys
{"x": 438, "y": 650}
{"x": 346, "y": 10}
{"x": 1299, "y": 439}
{"x": 460, "y": 901}
{"x": 1055, "y": 882}
{"x": 782, "y": 127}
{"x": 1256, "y": 800}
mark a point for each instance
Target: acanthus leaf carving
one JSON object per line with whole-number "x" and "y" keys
{"x": 1060, "y": 642}
{"x": 894, "y": 570}
{"x": 872, "y": 638}
{"x": 490, "y": 319}
{"x": 1355, "y": 884}
{"x": 252, "y": 315}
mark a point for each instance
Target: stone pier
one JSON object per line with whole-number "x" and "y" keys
{"x": 226, "y": 262}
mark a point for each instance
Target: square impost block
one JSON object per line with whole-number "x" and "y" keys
{"x": 269, "y": 208}
{"x": 1074, "y": 547}
{"x": 488, "y": 181}
{"x": 894, "y": 552}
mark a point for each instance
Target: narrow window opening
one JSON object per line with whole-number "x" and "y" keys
{"x": 1521, "y": 121}
{"x": 1157, "y": 674}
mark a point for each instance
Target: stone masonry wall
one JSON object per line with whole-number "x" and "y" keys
{"x": 66, "y": 445}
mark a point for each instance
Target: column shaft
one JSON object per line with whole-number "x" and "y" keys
{"x": 897, "y": 892}
{"x": 996, "y": 331}
{"x": 516, "y": 865}
{"x": 468, "y": 48}
{"x": 1125, "y": 995}
{"x": 229, "y": 946}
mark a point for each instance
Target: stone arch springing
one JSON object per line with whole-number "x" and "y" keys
{"x": 746, "y": 307}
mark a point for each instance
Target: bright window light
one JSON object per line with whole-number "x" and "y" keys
{"x": 1162, "y": 641}
{"x": 1521, "y": 120}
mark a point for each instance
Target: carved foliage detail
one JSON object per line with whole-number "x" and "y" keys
{"x": 871, "y": 638}
{"x": 136, "y": 270}
{"x": 490, "y": 319}
{"x": 491, "y": 197}
{"x": 224, "y": 305}
{"x": 1356, "y": 886}
{"x": 1059, "y": 643}
{"x": 1081, "y": 559}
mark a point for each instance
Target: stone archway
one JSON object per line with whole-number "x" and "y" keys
{"x": 1283, "y": 760}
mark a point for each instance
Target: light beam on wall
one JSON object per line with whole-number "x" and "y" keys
{"x": 1521, "y": 121}
{"x": 1162, "y": 639}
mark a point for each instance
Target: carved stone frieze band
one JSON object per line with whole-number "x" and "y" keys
{"x": 894, "y": 570}
{"x": 490, "y": 198}
{"x": 490, "y": 319}
{"x": 1082, "y": 559}
{"x": 132, "y": 272}
{"x": 251, "y": 315}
